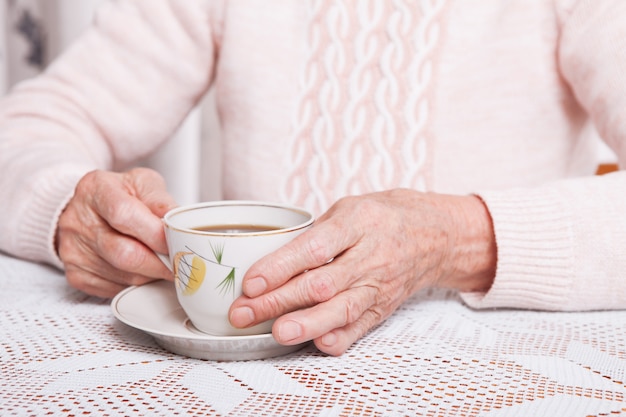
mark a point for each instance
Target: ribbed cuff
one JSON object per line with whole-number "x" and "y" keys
{"x": 38, "y": 224}
{"x": 534, "y": 243}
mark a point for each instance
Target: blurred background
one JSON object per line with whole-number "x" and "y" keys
{"x": 33, "y": 32}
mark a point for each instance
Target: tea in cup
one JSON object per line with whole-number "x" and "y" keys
{"x": 211, "y": 246}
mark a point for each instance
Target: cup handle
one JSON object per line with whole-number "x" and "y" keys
{"x": 165, "y": 259}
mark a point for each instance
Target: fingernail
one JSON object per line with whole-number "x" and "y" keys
{"x": 329, "y": 339}
{"x": 242, "y": 317}
{"x": 255, "y": 287}
{"x": 289, "y": 331}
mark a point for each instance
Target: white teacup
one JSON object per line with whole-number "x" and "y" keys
{"x": 212, "y": 245}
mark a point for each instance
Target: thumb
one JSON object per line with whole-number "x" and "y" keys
{"x": 151, "y": 189}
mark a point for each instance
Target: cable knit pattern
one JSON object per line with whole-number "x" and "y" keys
{"x": 358, "y": 129}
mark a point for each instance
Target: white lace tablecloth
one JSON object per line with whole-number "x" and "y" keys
{"x": 63, "y": 353}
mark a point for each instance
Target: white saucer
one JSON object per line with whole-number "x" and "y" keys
{"x": 154, "y": 309}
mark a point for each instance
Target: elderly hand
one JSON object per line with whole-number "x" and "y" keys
{"x": 107, "y": 233}
{"x": 361, "y": 260}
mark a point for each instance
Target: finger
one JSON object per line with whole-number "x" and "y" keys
{"x": 346, "y": 308}
{"x": 338, "y": 341}
{"x": 315, "y": 247}
{"x": 105, "y": 250}
{"x": 151, "y": 189}
{"x": 307, "y": 289}
{"x": 353, "y": 267}
{"x": 130, "y": 216}
{"x": 127, "y": 254}
{"x": 82, "y": 260}
{"x": 110, "y": 257}
{"x": 97, "y": 285}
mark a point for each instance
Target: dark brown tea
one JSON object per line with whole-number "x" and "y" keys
{"x": 236, "y": 228}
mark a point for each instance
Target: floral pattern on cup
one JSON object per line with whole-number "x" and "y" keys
{"x": 190, "y": 270}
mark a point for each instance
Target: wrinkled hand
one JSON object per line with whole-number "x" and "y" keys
{"x": 107, "y": 233}
{"x": 384, "y": 247}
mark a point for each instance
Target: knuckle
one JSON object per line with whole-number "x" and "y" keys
{"x": 271, "y": 306}
{"x": 365, "y": 323}
{"x": 126, "y": 256}
{"x": 87, "y": 180}
{"x": 73, "y": 252}
{"x": 362, "y": 212}
{"x": 321, "y": 287}
{"x": 120, "y": 213}
{"x": 361, "y": 327}
{"x": 349, "y": 200}
{"x": 318, "y": 251}
{"x": 90, "y": 183}
{"x": 352, "y": 309}
{"x": 143, "y": 172}
{"x": 376, "y": 316}
{"x": 359, "y": 203}
{"x": 137, "y": 177}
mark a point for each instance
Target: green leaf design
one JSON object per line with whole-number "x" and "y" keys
{"x": 218, "y": 251}
{"x": 228, "y": 283}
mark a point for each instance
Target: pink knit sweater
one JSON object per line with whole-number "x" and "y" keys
{"x": 319, "y": 99}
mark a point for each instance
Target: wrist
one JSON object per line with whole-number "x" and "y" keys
{"x": 473, "y": 253}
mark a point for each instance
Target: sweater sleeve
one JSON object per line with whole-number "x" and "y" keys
{"x": 114, "y": 96}
{"x": 561, "y": 246}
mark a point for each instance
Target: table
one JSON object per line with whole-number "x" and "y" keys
{"x": 64, "y": 353}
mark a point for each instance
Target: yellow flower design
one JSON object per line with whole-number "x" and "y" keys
{"x": 188, "y": 273}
